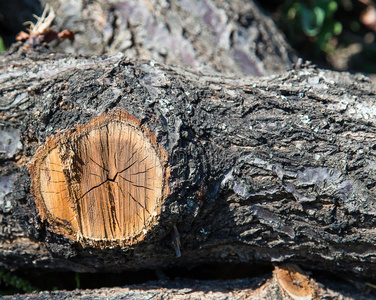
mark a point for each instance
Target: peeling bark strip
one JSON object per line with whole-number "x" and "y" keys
{"x": 104, "y": 180}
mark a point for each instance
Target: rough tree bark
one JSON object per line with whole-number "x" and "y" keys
{"x": 271, "y": 169}
{"x": 227, "y": 37}
{"x": 192, "y": 290}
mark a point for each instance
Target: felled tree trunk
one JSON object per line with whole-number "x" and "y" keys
{"x": 185, "y": 289}
{"x": 221, "y": 37}
{"x": 251, "y": 170}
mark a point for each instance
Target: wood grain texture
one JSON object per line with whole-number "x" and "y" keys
{"x": 292, "y": 281}
{"x": 101, "y": 181}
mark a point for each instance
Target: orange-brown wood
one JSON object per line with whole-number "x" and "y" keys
{"x": 294, "y": 282}
{"x": 102, "y": 181}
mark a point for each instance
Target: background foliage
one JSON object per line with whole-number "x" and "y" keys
{"x": 336, "y": 34}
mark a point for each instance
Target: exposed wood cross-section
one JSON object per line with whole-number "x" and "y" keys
{"x": 103, "y": 181}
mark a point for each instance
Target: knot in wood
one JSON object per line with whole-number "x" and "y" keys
{"x": 101, "y": 182}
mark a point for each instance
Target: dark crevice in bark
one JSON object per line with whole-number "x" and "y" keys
{"x": 241, "y": 276}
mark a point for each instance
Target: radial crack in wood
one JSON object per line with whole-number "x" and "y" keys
{"x": 101, "y": 181}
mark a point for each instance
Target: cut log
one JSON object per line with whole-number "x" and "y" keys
{"x": 272, "y": 169}
{"x": 293, "y": 282}
{"x": 103, "y": 182}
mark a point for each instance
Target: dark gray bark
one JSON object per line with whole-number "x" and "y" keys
{"x": 266, "y": 169}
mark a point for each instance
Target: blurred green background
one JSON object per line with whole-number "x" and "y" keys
{"x": 336, "y": 34}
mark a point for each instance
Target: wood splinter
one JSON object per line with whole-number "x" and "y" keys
{"x": 102, "y": 181}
